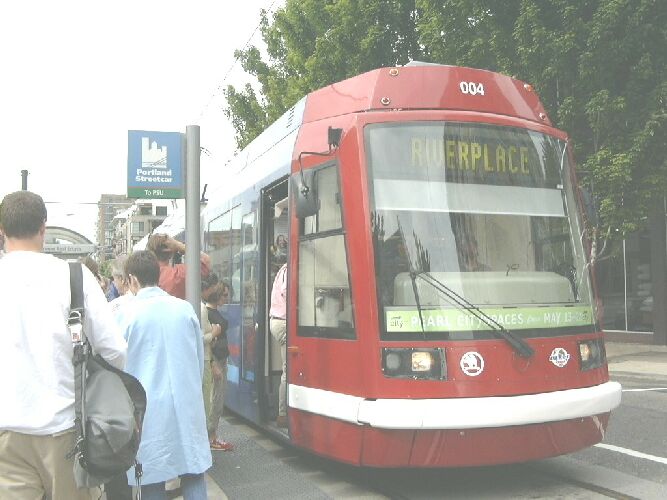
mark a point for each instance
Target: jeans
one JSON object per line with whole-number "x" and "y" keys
{"x": 193, "y": 487}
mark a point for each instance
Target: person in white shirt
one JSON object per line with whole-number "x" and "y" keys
{"x": 37, "y": 392}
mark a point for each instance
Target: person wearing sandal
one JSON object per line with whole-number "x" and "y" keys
{"x": 214, "y": 328}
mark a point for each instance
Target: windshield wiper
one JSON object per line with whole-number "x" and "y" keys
{"x": 518, "y": 344}
{"x": 413, "y": 278}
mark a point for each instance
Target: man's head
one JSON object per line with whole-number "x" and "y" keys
{"x": 208, "y": 284}
{"x": 157, "y": 243}
{"x": 118, "y": 273}
{"x": 22, "y": 215}
{"x": 219, "y": 294}
{"x": 142, "y": 270}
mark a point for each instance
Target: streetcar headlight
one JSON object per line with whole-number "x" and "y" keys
{"x": 422, "y": 361}
{"x": 592, "y": 354}
{"x": 416, "y": 363}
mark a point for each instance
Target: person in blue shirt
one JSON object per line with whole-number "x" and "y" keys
{"x": 166, "y": 354}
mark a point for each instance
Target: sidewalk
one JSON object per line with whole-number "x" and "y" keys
{"x": 214, "y": 492}
{"x": 641, "y": 360}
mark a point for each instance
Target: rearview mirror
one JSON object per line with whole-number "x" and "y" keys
{"x": 304, "y": 191}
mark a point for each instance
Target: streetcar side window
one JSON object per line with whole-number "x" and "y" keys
{"x": 325, "y": 301}
{"x": 218, "y": 244}
{"x": 328, "y": 217}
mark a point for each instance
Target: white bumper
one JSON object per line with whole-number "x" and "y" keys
{"x": 459, "y": 413}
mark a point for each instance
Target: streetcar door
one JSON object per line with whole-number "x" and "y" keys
{"x": 275, "y": 253}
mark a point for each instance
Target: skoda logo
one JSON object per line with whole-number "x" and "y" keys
{"x": 472, "y": 363}
{"x": 559, "y": 357}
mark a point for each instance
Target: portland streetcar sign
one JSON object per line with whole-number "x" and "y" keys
{"x": 154, "y": 164}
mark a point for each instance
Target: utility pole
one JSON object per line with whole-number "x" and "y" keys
{"x": 192, "y": 210}
{"x": 24, "y": 180}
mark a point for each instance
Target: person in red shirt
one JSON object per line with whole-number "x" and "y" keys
{"x": 172, "y": 277}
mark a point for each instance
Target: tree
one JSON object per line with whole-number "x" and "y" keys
{"x": 313, "y": 43}
{"x": 599, "y": 66}
{"x": 603, "y": 76}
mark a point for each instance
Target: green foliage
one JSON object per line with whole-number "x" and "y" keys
{"x": 313, "y": 43}
{"x": 599, "y": 66}
{"x": 105, "y": 269}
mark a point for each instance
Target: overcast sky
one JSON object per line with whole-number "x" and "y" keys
{"x": 76, "y": 75}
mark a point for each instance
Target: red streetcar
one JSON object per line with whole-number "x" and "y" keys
{"x": 440, "y": 306}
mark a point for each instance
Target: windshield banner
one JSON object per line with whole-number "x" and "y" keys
{"x": 400, "y": 320}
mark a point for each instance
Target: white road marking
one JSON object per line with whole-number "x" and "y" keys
{"x": 633, "y": 453}
{"x": 644, "y": 390}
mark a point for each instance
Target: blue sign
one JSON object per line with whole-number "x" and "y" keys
{"x": 154, "y": 164}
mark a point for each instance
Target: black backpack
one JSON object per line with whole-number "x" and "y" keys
{"x": 109, "y": 405}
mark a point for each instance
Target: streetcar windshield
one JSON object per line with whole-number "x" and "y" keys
{"x": 487, "y": 211}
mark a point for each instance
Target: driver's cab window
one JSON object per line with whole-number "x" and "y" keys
{"x": 325, "y": 301}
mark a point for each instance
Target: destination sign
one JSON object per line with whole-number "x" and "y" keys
{"x": 456, "y": 320}
{"x": 465, "y": 153}
{"x": 470, "y": 155}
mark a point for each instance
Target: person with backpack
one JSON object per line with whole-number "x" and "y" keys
{"x": 37, "y": 415}
{"x": 166, "y": 354}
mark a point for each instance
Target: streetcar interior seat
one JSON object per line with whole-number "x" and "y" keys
{"x": 480, "y": 288}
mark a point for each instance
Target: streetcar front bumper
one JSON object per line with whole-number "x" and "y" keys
{"x": 459, "y": 413}
{"x": 475, "y": 413}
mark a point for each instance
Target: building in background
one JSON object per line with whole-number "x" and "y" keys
{"x": 108, "y": 207}
{"x": 132, "y": 224}
{"x": 632, "y": 283}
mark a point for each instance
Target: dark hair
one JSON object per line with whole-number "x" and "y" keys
{"x": 211, "y": 279}
{"x": 144, "y": 266}
{"x": 22, "y": 214}
{"x": 214, "y": 296}
{"x": 226, "y": 284}
{"x": 156, "y": 244}
{"x": 218, "y": 292}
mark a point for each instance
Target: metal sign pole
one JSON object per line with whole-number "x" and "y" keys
{"x": 192, "y": 224}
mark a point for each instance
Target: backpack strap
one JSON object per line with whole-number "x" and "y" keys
{"x": 80, "y": 354}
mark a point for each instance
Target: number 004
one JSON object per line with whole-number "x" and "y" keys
{"x": 472, "y": 88}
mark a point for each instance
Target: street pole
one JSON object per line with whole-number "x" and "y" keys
{"x": 24, "y": 180}
{"x": 192, "y": 224}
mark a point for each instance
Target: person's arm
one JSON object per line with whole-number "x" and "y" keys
{"x": 176, "y": 246}
{"x": 100, "y": 327}
{"x": 283, "y": 284}
{"x": 199, "y": 342}
{"x": 206, "y": 326}
{"x": 205, "y": 264}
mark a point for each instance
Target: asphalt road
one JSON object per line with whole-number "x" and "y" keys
{"x": 638, "y": 427}
{"x": 631, "y": 463}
